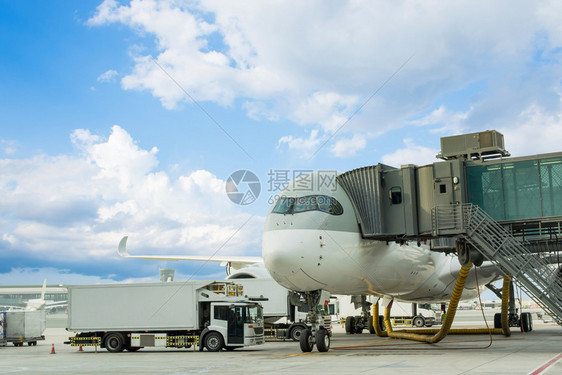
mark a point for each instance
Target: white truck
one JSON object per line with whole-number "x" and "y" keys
{"x": 207, "y": 314}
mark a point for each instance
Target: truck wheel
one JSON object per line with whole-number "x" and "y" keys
{"x": 350, "y": 325}
{"x": 306, "y": 341}
{"x": 114, "y": 342}
{"x": 296, "y": 333}
{"x": 322, "y": 340}
{"x": 214, "y": 342}
{"x": 230, "y": 348}
{"x": 418, "y": 321}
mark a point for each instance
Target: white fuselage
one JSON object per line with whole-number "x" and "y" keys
{"x": 311, "y": 249}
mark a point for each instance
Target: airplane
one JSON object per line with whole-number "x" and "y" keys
{"x": 38, "y": 303}
{"x": 312, "y": 243}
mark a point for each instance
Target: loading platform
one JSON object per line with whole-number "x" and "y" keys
{"x": 478, "y": 203}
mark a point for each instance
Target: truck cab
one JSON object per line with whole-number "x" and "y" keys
{"x": 233, "y": 325}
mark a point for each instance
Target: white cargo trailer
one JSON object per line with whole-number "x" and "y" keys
{"x": 25, "y": 326}
{"x": 3, "y": 328}
{"x": 207, "y": 314}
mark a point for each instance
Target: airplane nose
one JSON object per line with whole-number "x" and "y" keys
{"x": 278, "y": 254}
{"x": 286, "y": 259}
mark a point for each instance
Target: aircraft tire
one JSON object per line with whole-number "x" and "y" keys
{"x": 358, "y": 329}
{"x": 371, "y": 326}
{"x": 350, "y": 325}
{"x": 497, "y": 320}
{"x": 381, "y": 323}
{"x": 305, "y": 341}
{"x": 323, "y": 340}
{"x": 526, "y": 322}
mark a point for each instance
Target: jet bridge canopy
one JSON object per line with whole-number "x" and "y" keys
{"x": 399, "y": 203}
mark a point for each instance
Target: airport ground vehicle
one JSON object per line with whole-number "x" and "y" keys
{"x": 402, "y": 313}
{"x": 208, "y": 314}
{"x": 24, "y": 326}
{"x": 3, "y": 340}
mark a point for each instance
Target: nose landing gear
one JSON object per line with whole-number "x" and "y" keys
{"x": 317, "y": 335}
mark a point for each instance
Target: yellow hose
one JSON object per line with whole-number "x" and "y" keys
{"x": 455, "y": 298}
{"x": 505, "y": 306}
{"x": 439, "y": 334}
{"x": 376, "y": 326}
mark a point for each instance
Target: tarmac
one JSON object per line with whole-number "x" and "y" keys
{"x": 522, "y": 353}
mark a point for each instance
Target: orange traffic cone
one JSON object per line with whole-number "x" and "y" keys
{"x": 53, "y": 349}
{"x": 80, "y": 349}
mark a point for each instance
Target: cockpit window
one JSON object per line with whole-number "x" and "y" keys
{"x": 324, "y": 203}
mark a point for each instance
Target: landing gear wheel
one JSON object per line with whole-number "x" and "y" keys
{"x": 114, "y": 342}
{"x": 350, "y": 325}
{"x": 526, "y": 322}
{"x": 358, "y": 328}
{"x": 306, "y": 341}
{"x": 418, "y": 322}
{"x": 323, "y": 340}
{"x": 214, "y": 342}
{"x": 371, "y": 326}
{"x": 497, "y": 320}
{"x": 381, "y": 323}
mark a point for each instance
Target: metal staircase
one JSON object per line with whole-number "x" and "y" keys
{"x": 534, "y": 272}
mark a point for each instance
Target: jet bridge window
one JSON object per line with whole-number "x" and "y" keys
{"x": 395, "y": 195}
{"x": 324, "y": 203}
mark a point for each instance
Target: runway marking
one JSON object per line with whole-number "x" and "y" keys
{"x": 544, "y": 367}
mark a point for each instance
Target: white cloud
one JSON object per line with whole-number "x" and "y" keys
{"x": 451, "y": 122}
{"x": 411, "y": 154}
{"x": 314, "y": 63}
{"x": 536, "y": 131}
{"x": 9, "y": 147}
{"x": 108, "y": 76}
{"x": 349, "y": 147}
{"x": 74, "y": 208}
{"x": 302, "y": 147}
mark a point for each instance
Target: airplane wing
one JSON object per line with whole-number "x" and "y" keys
{"x": 236, "y": 262}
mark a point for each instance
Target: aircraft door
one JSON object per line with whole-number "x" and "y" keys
{"x": 236, "y": 316}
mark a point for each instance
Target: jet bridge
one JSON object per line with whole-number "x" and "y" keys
{"x": 507, "y": 209}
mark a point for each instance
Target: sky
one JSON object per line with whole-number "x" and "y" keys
{"x": 127, "y": 118}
